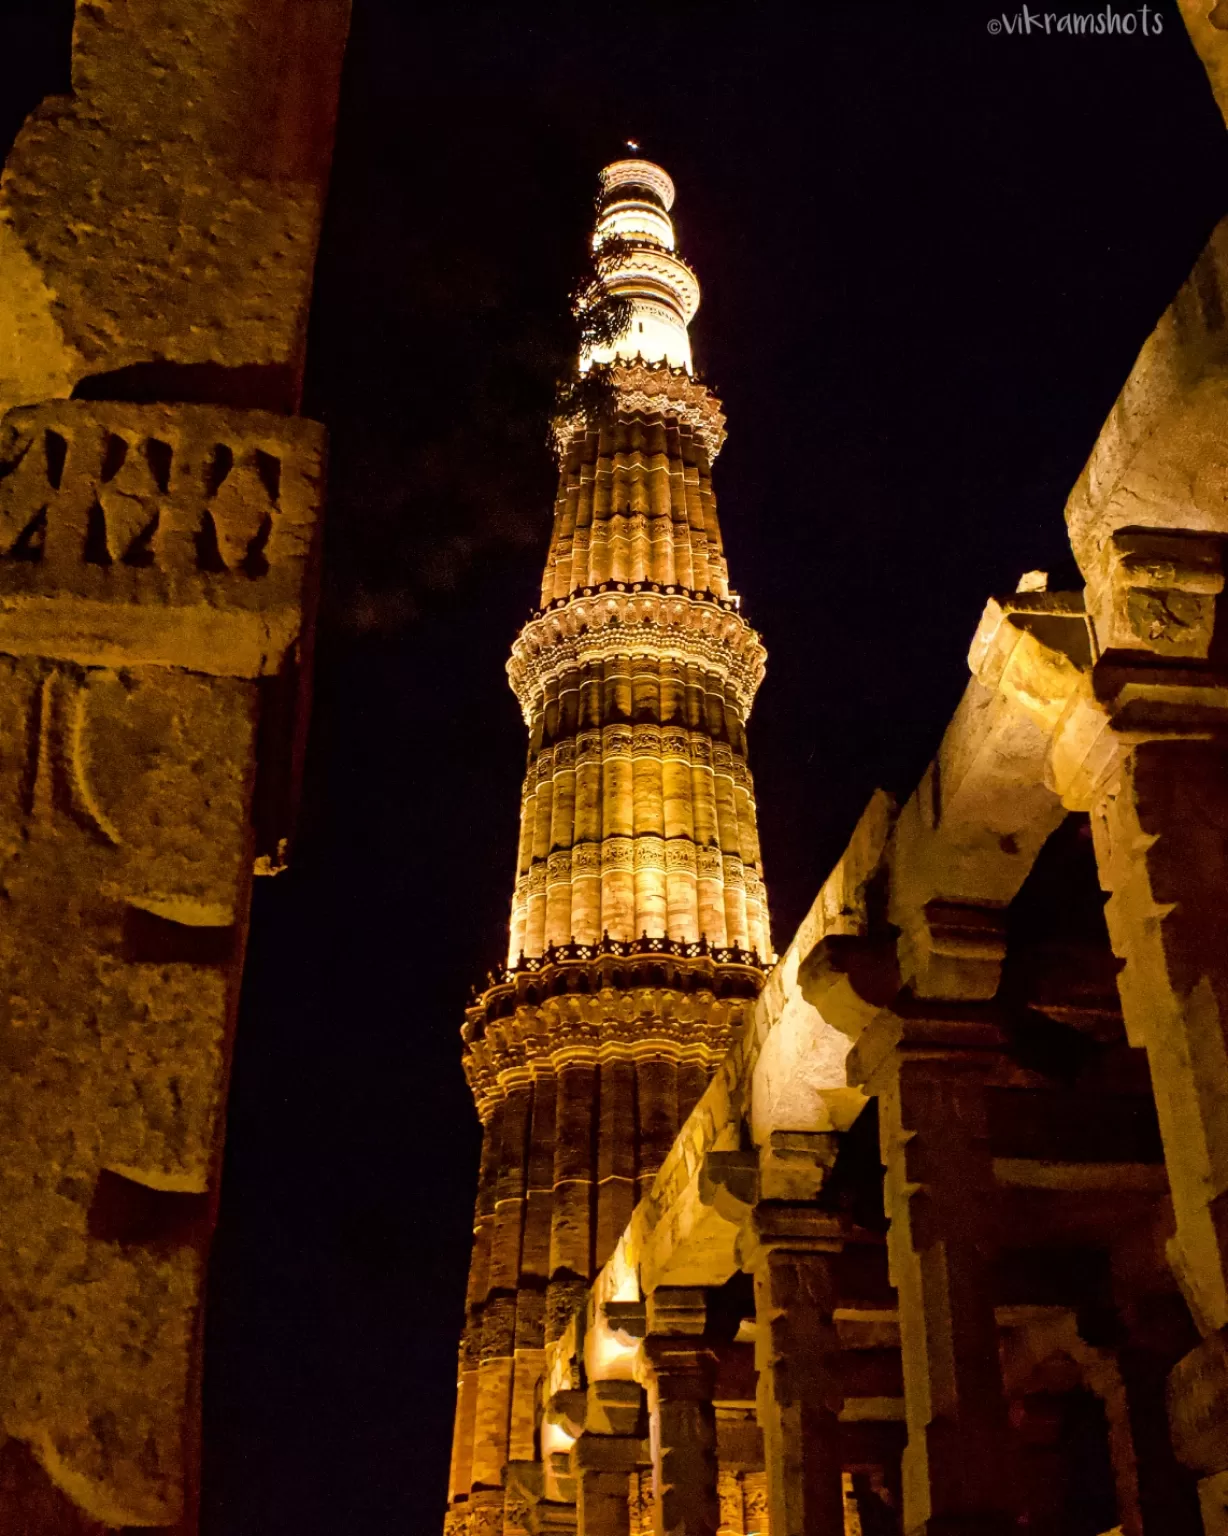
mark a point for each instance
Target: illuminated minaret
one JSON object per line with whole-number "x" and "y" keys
{"x": 639, "y": 925}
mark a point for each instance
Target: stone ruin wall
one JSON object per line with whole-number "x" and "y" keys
{"x": 159, "y": 518}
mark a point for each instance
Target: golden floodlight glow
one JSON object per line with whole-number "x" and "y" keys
{"x": 662, "y": 290}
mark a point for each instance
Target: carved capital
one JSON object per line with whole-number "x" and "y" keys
{"x": 1154, "y": 593}
{"x": 952, "y": 949}
{"x": 614, "y": 1408}
{"x": 849, "y": 979}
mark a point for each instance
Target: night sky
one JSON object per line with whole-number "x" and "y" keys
{"x": 929, "y": 256}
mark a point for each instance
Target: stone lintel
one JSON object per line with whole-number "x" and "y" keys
{"x": 793, "y": 1165}
{"x": 849, "y": 978}
{"x": 1108, "y": 1178}
{"x": 872, "y": 1410}
{"x": 198, "y": 638}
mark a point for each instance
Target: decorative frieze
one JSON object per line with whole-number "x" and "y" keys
{"x": 586, "y": 859}
{"x": 650, "y": 853}
{"x": 680, "y": 855}
{"x": 616, "y": 741}
{"x": 646, "y": 741}
{"x": 711, "y": 864}
{"x": 671, "y": 999}
{"x": 618, "y": 853}
{"x": 587, "y": 630}
{"x": 183, "y": 534}
{"x": 657, "y": 389}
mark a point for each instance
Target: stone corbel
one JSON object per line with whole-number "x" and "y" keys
{"x": 677, "y": 1311}
{"x": 953, "y": 950}
{"x": 848, "y": 978}
{"x": 793, "y": 1165}
{"x": 567, "y": 1411}
{"x": 1154, "y": 594}
{"x": 1033, "y": 647}
{"x": 729, "y": 1183}
{"x": 896, "y": 1036}
{"x": 614, "y": 1408}
{"x": 1154, "y": 597}
{"x": 789, "y": 1166}
{"x": 626, "y": 1320}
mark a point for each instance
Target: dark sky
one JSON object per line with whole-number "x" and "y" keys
{"x": 929, "y": 257}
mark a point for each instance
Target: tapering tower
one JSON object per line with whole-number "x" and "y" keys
{"x": 639, "y": 926}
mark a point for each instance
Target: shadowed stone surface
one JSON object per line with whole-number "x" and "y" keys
{"x": 158, "y": 553}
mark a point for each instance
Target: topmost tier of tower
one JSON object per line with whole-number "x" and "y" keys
{"x": 643, "y": 267}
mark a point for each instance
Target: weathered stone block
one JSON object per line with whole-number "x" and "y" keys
{"x": 201, "y": 130}
{"x": 1156, "y": 593}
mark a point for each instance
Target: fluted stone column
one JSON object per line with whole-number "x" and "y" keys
{"x": 657, "y": 1085}
{"x": 616, "y": 1140}
{"x": 571, "y": 1231}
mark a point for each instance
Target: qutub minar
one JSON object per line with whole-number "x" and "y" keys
{"x": 639, "y": 925}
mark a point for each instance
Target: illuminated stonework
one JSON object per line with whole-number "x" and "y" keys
{"x": 662, "y": 290}
{"x": 160, "y": 504}
{"x": 639, "y": 926}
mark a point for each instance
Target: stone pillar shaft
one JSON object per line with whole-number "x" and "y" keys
{"x": 939, "y": 1189}
{"x": 679, "y": 1373}
{"x": 657, "y": 1086}
{"x": 797, "y": 1354}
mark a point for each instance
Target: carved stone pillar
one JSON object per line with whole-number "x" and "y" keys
{"x": 606, "y": 1458}
{"x": 1146, "y": 751}
{"x": 603, "y": 1466}
{"x": 789, "y": 1249}
{"x": 929, "y": 1075}
{"x": 678, "y": 1369}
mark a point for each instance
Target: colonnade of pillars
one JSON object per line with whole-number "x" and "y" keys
{"x": 961, "y": 1469}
